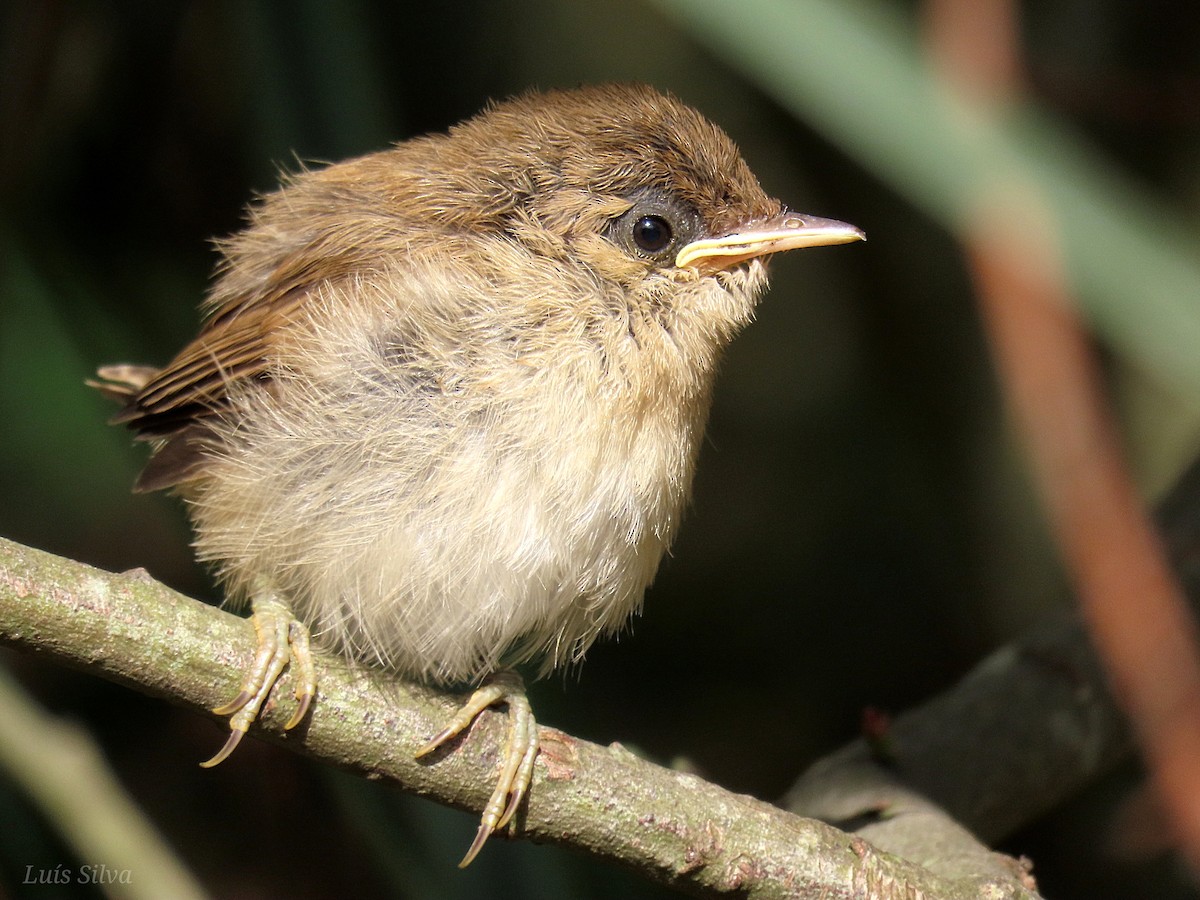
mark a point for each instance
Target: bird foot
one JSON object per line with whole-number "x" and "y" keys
{"x": 282, "y": 639}
{"x": 520, "y": 750}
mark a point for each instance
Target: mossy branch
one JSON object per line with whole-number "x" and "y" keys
{"x": 675, "y": 828}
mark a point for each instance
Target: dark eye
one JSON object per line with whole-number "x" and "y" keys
{"x": 654, "y": 227}
{"x": 652, "y": 234}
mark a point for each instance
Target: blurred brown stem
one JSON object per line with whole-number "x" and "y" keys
{"x": 1134, "y": 608}
{"x": 1132, "y": 605}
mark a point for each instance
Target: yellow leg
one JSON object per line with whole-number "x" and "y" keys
{"x": 520, "y": 750}
{"x": 281, "y": 640}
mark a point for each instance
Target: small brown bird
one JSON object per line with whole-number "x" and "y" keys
{"x": 446, "y": 401}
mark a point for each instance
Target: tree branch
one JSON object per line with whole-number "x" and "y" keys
{"x": 673, "y": 827}
{"x": 1029, "y": 727}
{"x": 1032, "y": 724}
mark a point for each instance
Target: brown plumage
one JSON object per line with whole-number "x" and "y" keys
{"x": 447, "y": 398}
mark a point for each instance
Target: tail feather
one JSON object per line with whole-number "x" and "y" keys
{"x": 178, "y": 455}
{"x": 122, "y": 382}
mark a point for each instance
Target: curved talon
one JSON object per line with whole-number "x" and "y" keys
{"x": 514, "y": 800}
{"x": 306, "y": 674}
{"x": 235, "y": 738}
{"x": 523, "y": 776}
{"x": 481, "y": 837}
{"x": 281, "y": 641}
{"x": 305, "y": 699}
{"x": 436, "y": 741}
{"x": 233, "y": 705}
{"x": 518, "y": 755}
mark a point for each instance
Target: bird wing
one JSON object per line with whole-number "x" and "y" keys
{"x": 235, "y": 345}
{"x": 172, "y": 406}
{"x": 194, "y": 385}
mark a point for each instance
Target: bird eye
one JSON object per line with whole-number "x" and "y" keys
{"x": 654, "y": 227}
{"x": 652, "y": 234}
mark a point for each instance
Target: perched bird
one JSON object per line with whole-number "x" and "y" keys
{"x": 446, "y": 401}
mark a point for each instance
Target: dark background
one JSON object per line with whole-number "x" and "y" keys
{"x": 862, "y": 530}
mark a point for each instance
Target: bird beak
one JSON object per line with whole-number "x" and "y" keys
{"x": 788, "y": 231}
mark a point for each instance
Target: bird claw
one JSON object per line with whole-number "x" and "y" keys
{"x": 235, "y": 738}
{"x": 281, "y": 640}
{"x": 520, "y": 751}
